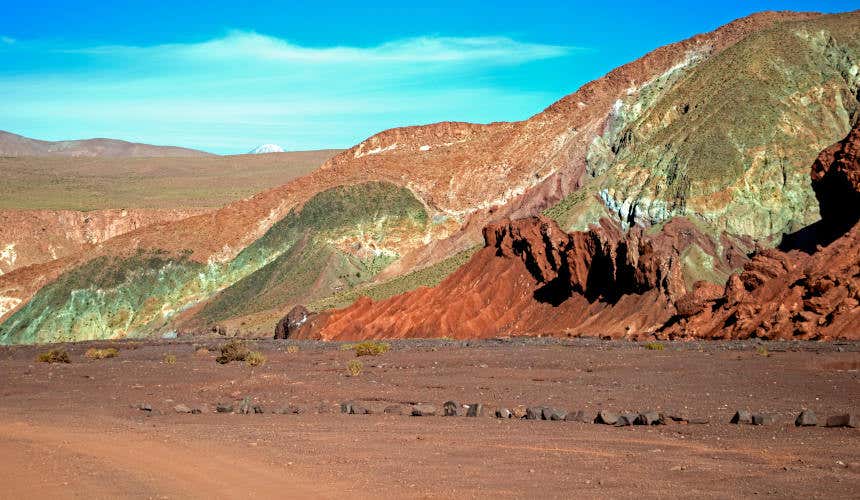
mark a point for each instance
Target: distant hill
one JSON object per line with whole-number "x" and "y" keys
{"x": 18, "y": 145}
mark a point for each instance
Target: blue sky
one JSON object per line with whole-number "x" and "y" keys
{"x": 227, "y": 76}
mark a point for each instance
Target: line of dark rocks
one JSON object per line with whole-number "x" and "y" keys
{"x": 806, "y": 418}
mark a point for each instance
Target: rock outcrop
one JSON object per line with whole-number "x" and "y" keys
{"x": 290, "y": 324}
{"x": 810, "y": 290}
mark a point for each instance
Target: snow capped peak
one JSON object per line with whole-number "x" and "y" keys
{"x": 266, "y": 148}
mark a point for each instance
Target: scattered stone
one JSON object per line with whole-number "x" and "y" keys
{"x": 182, "y": 409}
{"x": 475, "y": 410}
{"x": 145, "y": 407}
{"x": 626, "y": 419}
{"x": 762, "y": 419}
{"x": 245, "y": 406}
{"x": 579, "y": 416}
{"x": 606, "y": 418}
{"x": 451, "y": 409}
{"x": 224, "y": 408}
{"x": 503, "y": 413}
{"x": 742, "y": 417}
{"x": 806, "y": 418}
{"x": 534, "y": 412}
{"x": 844, "y": 420}
{"x": 519, "y": 411}
{"x": 393, "y": 410}
{"x": 346, "y": 407}
{"x": 423, "y": 410}
{"x": 650, "y": 418}
{"x": 257, "y": 409}
{"x": 553, "y": 414}
{"x": 196, "y": 411}
{"x": 359, "y": 410}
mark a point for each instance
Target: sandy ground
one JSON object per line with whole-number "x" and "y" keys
{"x": 74, "y": 431}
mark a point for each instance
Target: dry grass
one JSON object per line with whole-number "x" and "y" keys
{"x": 354, "y": 367}
{"x": 95, "y": 353}
{"x": 292, "y": 349}
{"x": 170, "y": 359}
{"x": 371, "y": 348}
{"x": 54, "y": 356}
{"x": 255, "y": 358}
{"x": 233, "y": 350}
{"x": 762, "y": 351}
{"x": 654, "y": 346}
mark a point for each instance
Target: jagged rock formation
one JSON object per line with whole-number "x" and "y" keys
{"x": 718, "y": 130}
{"x": 17, "y": 145}
{"x": 532, "y": 278}
{"x": 794, "y": 294}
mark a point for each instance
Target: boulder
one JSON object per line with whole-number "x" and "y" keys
{"x": 356, "y": 409}
{"x": 650, "y": 418}
{"x": 579, "y": 416}
{"x": 762, "y": 419}
{"x": 346, "y": 407}
{"x": 475, "y": 410}
{"x": 181, "y": 409}
{"x": 606, "y": 418}
{"x": 423, "y": 410}
{"x": 844, "y": 420}
{"x": 451, "y": 409}
{"x": 534, "y": 412}
{"x": 553, "y": 414}
{"x": 626, "y": 419}
{"x": 290, "y": 323}
{"x": 806, "y": 418}
{"x": 257, "y": 409}
{"x": 519, "y": 411}
{"x": 503, "y": 413}
{"x": 742, "y": 417}
{"x": 224, "y": 408}
{"x": 393, "y": 410}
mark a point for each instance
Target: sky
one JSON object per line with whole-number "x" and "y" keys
{"x": 225, "y": 77}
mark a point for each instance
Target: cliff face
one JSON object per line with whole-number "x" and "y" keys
{"x": 712, "y": 135}
{"x": 808, "y": 292}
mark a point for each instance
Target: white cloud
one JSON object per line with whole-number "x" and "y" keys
{"x": 7, "y": 40}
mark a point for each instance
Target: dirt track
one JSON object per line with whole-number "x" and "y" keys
{"x": 72, "y": 430}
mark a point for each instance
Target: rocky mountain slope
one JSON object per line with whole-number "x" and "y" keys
{"x": 18, "y": 145}
{"x": 717, "y": 131}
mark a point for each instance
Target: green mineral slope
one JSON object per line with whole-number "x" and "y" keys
{"x": 340, "y": 238}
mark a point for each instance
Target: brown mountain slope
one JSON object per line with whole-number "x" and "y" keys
{"x": 532, "y": 278}
{"x": 466, "y": 175}
{"x": 18, "y": 145}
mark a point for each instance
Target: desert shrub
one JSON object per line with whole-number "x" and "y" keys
{"x": 292, "y": 349}
{"x": 762, "y": 351}
{"x": 654, "y": 346}
{"x": 370, "y": 348}
{"x": 170, "y": 359}
{"x": 233, "y": 350}
{"x": 94, "y": 353}
{"x": 346, "y": 347}
{"x": 54, "y": 356}
{"x": 354, "y": 367}
{"x": 255, "y": 358}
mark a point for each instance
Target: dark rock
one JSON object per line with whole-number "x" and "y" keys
{"x": 806, "y": 418}
{"x": 181, "y": 409}
{"x": 224, "y": 408}
{"x": 245, "y": 407}
{"x": 844, "y": 420}
{"x": 742, "y": 417}
{"x": 534, "y": 412}
{"x": 423, "y": 410}
{"x": 145, "y": 407}
{"x": 553, "y": 414}
{"x": 359, "y": 410}
{"x": 606, "y": 417}
{"x": 290, "y": 323}
{"x": 579, "y": 416}
{"x": 626, "y": 419}
{"x": 650, "y": 418}
{"x": 762, "y": 419}
{"x": 451, "y": 409}
{"x": 475, "y": 410}
{"x": 346, "y": 407}
{"x": 394, "y": 410}
{"x": 196, "y": 411}
{"x": 257, "y": 409}
{"x": 503, "y": 413}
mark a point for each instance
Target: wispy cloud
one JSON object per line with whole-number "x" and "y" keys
{"x": 246, "y": 87}
{"x": 7, "y": 40}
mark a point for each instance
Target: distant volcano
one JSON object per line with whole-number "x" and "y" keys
{"x": 266, "y": 148}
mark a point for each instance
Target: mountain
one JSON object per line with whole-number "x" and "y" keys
{"x": 266, "y": 148}
{"x": 17, "y": 145}
{"x": 685, "y": 161}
